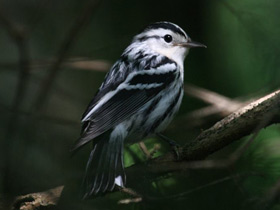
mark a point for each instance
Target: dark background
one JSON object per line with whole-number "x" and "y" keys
{"x": 40, "y": 117}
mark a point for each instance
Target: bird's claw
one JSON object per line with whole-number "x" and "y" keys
{"x": 173, "y": 144}
{"x": 175, "y": 149}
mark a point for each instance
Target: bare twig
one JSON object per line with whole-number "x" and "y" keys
{"x": 237, "y": 125}
{"x": 78, "y": 63}
{"x": 130, "y": 192}
{"x": 211, "y": 97}
{"x": 130, "y": 200}
{"x": 95, "y": 65}
{"x": 71, "y": 37}
{"x": 224, "y": 179}
{"x": 155, "y": 149}
{"x": 18, "y": 35}
{"x": 183, "y": 194}
{"x": 38, "y": 200}
{"x": 137, "y": 197}
{"x": 149, "y": 154}
{"x": 220, "y": 106}
{"x": 51, "y": 119}
{"x": 144, "y": 149}
{"x": 249, "y": 119}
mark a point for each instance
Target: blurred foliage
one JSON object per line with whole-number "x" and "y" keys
{"x": 241, "y": 61}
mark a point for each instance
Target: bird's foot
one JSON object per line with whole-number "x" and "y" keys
{"x": 173, "y": 144}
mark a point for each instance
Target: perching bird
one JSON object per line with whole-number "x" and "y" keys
{"x": 139, "y": 97}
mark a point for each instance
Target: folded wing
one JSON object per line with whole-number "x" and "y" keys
{"x": 117, "y": 105}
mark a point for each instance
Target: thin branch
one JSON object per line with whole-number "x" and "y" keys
{"x": 51, "y": 119}
{"x": 220, "y": 106}
{"x": 154, "y": 149}
{"x": 237, "y": 125}
{"x": 95, "y": 65}
{"x": 218, "y": 181}
{"x": 247, "y": 120}
{"x": 130, "y": 200}
{"x": 75, "y": 62}
{"x": 145, "y": 150}
{"x": 218, "y": 164}
{"x": 136, "y": 197}
{"x": 82, "y": 20}
{"x": 149, "y": 154}
{"x": 211, "y": 97}
{"x": 18, "y": 35}
{"x": 38, "y": 200}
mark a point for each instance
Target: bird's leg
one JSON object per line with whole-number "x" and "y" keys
{"x": 174, "y": 145}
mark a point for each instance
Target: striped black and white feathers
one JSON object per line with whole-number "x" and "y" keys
{"x": 139, "y": 96}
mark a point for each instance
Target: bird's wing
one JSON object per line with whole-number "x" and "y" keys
{"x": 113, "y": 79}
{"x": 121, "y": 102}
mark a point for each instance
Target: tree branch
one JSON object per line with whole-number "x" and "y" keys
{"x": 241, "y": 123}
{"x": 18, "y": 35}
{"x": 80, "y": 22}
{"x": 245, "y": 121}
{"x": 219, "y": 106}
{"x": 41, "y": 200}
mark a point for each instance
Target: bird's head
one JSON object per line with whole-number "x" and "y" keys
{"x": 167, "y": 39}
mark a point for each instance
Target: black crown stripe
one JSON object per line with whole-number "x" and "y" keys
{"x": 166, "y": 25}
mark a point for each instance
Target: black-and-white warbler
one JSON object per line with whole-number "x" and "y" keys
{"x": 139, "y": 97}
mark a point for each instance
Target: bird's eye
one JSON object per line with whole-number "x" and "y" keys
{"x": 168, "y": 38}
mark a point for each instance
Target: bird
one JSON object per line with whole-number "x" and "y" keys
{"x": 138, "y": 98}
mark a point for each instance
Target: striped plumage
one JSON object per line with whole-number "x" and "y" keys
{"x": 139, "y": 97}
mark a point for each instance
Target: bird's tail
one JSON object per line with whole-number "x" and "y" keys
{"x": 105, "y": 167}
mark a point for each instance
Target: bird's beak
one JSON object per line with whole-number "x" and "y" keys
{"x": 191, "y": 44}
